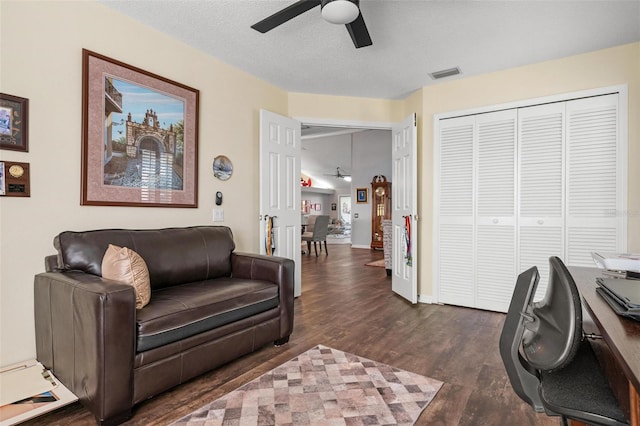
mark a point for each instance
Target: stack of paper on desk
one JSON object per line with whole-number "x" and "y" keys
{"x": 617, "y": 261}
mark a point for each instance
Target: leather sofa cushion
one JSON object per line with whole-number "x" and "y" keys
{"x": 173, "y": 255}
{"x": 177, "y": 312}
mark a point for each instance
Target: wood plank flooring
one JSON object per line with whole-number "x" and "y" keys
{"x": 350, "y": 307}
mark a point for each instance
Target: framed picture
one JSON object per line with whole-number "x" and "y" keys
{"x": 334, "y": 206}
{"x": 14, "y": 123}
{"x": 317, "y": 206}
{"x": 362, "y": 195}
{"x": 139, "y": 137}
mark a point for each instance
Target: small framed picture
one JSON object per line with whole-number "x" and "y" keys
{"x": 14, "y": 124}
{"x": 362, "y": 195}
{"x": 334, "y": 206}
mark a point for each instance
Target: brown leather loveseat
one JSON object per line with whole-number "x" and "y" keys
{"x": 208, "y": 306}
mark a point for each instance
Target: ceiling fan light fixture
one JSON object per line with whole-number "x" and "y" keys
{"x": 339, "y": 11}
{"x": 347, "y": 178}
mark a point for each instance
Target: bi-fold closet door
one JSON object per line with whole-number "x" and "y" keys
{"x": 517, "y": 186}
{"x": 476, "y": 209}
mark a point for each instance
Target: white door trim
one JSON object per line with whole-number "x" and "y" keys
{"x": 622, "y": 89}
{"x": 351, "y": 124}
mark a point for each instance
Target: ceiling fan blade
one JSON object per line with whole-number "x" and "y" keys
{"x": 282, "y": 16}
{"x": 359, "y": 33}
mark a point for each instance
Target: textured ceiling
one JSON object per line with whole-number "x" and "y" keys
{"x": 324, "y": 150}
{"x": 411, "y": 38}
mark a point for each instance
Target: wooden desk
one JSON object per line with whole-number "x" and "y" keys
{"x": 620, "y": 353}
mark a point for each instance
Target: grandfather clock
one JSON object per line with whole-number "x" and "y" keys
{"x": 380, "y": 209}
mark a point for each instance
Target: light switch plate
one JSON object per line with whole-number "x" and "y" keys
{"x": 218, "y": 215}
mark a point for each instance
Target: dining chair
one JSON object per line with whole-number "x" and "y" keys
{"x": 319, "y": 234}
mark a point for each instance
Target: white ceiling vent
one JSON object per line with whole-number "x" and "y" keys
{"x": 445, "y": 73}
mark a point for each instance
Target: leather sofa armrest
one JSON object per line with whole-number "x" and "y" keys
{"x": 51, "y": 263}
{"x": 85, "y": 332}
{"x": 277, "y": 270}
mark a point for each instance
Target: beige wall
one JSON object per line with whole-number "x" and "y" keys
{"x": 41, "y": 57}
{"x": 609, "y": 67}
{"x": 304, "y": 105}
{"x": 41, "y": 44}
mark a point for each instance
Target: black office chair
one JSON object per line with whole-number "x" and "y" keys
{"x": 549, "y": 363}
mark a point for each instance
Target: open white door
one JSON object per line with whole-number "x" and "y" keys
{"x": 280, "y": 188}
{"x": 404, "y": 278}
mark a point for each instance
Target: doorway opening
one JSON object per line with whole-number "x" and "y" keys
{"x": 335, "y": 162}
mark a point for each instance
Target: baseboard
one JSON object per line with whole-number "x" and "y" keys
{"x": 360, "y": 246}
{"x": 423, "y": 298}
{"x": 338, "y": 241}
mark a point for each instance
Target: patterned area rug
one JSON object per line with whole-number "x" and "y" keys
{"x": 323, "y": 386}
{"x": 379, "y": 263}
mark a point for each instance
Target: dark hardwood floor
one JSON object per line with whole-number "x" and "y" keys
{"x": 350, "y": 307}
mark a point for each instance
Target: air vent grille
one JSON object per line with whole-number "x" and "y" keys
{"x": 445, "y": 73}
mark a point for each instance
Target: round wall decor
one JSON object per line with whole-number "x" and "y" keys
{"x": 222, "y": 167}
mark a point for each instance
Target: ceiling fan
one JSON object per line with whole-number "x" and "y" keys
{"x": 345, "y": 12}
{"x": 338, "y": 174}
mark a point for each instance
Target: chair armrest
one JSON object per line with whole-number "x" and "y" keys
{"x": 85, "y": 332}
{"x": 277, "y": 270}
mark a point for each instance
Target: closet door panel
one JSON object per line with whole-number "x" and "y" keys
{"x": 495, "y": 270}
{"x": 536, "y": 245}
{"x": 455, "y": 265}
{"x": 495, "y": 209}
{"x": 582, "y": 240}
{"x": 455, "y": 276}
{"x": 456, "y": 168}
{"x": 540, "y": 188}
{"x": 496, "y": 153}
{"x": 593, "y": 176}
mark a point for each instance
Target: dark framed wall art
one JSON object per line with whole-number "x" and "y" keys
{"x": 362, "y": 195}
{"x": 140, "y": 137}
{"x": 14, "y": 123}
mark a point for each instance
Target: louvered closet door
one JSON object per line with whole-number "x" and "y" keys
{"x": 495, "y": 209}
{"x": 594, "y": 213}
{"x": 540, "y": 188}
{"x": 562, "y": 163}
{"x": 455, "y": 247}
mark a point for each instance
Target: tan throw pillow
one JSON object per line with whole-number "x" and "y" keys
{"x": 125, "y": 266}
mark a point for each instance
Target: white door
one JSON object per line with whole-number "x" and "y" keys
{"x": 280, "y": 188}
{"x": 454, "y": 172}
{"x": 596, "y": 177}
{"x": 404, "y": 215}
{"x": 541, "y": 183}
{"x": 495, "y": 232}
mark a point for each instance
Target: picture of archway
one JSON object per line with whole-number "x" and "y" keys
{"x": 144, "y": 137}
